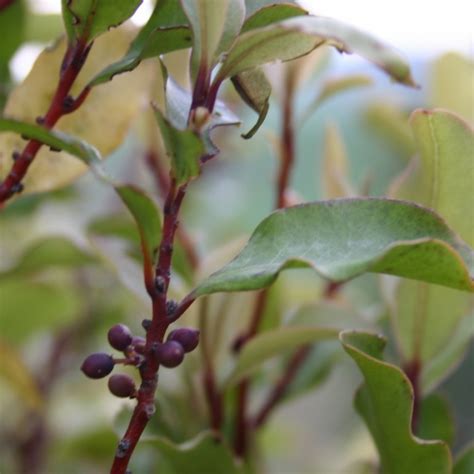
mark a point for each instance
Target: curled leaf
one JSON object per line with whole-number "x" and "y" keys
{"x": 344, "y": 238}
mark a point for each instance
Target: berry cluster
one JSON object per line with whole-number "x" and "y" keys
{"x": 169, "y": 354}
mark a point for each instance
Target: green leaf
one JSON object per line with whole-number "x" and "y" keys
{"x": 157, "y": 42}
{"x": 344, "y": 238}
{"x": 449, "y": 356}
{"x": 385, "y": 402}
{"x": 202, "y": 454}
{"x": 335, "y": 167}
{"x": 444, "y": 178}
{"x": 115, "y": 225}
{"x": 29, "y": 307}
{"x": 255, "y": 90}
{"x": 138, "y": 203}
{"x": 272, "y": 343}
{"x": 146, "y": 216}
{"x": 251, "y": 6}
{"x": 19, "y": 378}
{"x": 295, "y": 37}
{"x": 184, "y": 147}
{"x": 465, "y": 461}
{"x": 334, "y": 87}
{"x": 87, "y": 19}
{"x": 49, "y": 252}
{"x": 392, "y": 125}
{"x": 452, "y": 78}
{"x": 215, "y": 25}
{"x": 12, "y": 26}
{"x": 440, "y": 177}
{"x": 165, "y": 31}
{"x": 435, "y": 420}
{"x": 269, "y": 14}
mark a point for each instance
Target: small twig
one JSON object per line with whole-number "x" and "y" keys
{"x": 61, "y": 104}
{"x": 213, "y": 396}
{"x": 281, "y": 386}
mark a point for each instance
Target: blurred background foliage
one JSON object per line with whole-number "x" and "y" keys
{"x": 70, "y": 269}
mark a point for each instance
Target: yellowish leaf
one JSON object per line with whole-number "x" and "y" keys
{"x": 334, "y": 175}
{"x": 18, "y": 377}
{"x": 103, "y": 120}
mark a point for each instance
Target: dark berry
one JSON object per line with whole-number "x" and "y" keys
{"x": 187, "y": 337}
{"x": 98, "y": 365}
{"x": 119, "y": 336}
{"x": 121, "y": 385}
{"x": 170, "y": 354}
{"x": 139, "y": 344}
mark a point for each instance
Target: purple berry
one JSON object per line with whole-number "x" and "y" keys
{"x": 98, "y": 365}
{"x": 119, "y": 337}
{"x": 169, "y": 354}
{"x": 121, "y": 385}
{"x": 187, "y": 337}
{"x": 139, "y": 344}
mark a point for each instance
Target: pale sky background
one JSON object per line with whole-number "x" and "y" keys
{"x": 420, "y": 29}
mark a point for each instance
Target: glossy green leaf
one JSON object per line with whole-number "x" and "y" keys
{"x": 254, "y": 89}
{"x": 344, "y": 238}
{"x": 272, "y": 13}
{"x": 435, "y": 420}
{"x": 47, "y": 253}
{"x": 28, "y": 307}
{"x": 215, "y": 24}
{"x": 138, "y": 203}
{"x": 465, "y": 462}
{"x": 272, "y": 343}
{"x": 440, "y": 177}
{"x": 19, "y": 378}
{"x": 385, "y": 402}
{"x": 166, "y": 30}
{"x": 184, "y": 148}
{"x": 203, "y": 454}
{"x": 87, "y": 19}
{"x": 294, "y": 37}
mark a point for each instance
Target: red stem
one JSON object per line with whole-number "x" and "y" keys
{"x": 162, "y": 184}
{"x": 145, "y": 407}
{"x": 61, "y": 104}
{"x": 412, "y": 371}
{"x": 287, "y": 143}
